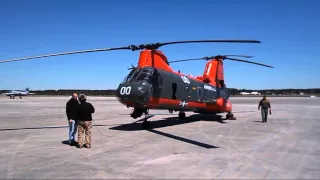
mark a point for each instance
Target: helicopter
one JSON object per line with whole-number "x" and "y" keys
{"x": 153, "y": 84}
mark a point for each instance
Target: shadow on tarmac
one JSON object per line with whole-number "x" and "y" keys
{"x": 172, "y": 121}
{"x": 44, "y": 127}
{"x": 257, "y": 121}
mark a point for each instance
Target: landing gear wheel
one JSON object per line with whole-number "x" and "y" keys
{"x": 182, "y": 115}
{"x": 146, "y": 124}
{"x": 230, "y": 116}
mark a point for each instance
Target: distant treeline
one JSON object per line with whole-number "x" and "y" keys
{"x": 233, "y": 91}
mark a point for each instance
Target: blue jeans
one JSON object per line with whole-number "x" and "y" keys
{"x": 72, "y": 130}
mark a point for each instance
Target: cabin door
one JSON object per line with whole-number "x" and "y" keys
{"x": 200, "y": 93}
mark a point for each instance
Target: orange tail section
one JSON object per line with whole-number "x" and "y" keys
{"x": 213, "y": 71}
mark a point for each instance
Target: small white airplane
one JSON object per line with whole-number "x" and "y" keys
{"x": 14, "y": 93}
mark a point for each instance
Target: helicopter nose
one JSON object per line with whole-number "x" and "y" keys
{"x": 134, "y": 93}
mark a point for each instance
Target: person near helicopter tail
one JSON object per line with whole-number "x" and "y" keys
{"x": 265, "y": 106}
{"x": 84, "y": 121}
{"x": 72, "y": 116}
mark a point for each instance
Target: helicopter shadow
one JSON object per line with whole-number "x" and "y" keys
{"x": 170, "y": 121}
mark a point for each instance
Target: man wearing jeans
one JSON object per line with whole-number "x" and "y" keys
{"x": 72, "y": 115}
{"x": 264, "y": 104}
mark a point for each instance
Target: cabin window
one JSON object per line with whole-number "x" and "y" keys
{"x": 205, "y": 91}
{"x": 199, "y": 92}
{"x": 156, "y": 79}
{"x": 160, "y": 80}
{"x": 174, "y": 90}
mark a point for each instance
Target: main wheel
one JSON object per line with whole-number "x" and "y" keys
{"x": 182, "y": 115}
{"x": 230, "y": 116}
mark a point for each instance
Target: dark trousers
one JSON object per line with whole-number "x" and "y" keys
{"x": 264, "y": 114}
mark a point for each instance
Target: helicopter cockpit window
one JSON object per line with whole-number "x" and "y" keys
{"x": 145, "y": 75}
{"x": 132, "y": 75}
{"x": 128, "y": 76}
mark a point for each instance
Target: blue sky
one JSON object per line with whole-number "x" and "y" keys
{"x": 289, "y": 32}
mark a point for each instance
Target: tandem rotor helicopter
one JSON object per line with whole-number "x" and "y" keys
{"x": 153, "y": 84}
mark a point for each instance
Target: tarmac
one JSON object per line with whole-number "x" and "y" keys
{"x": 33, "y": 132}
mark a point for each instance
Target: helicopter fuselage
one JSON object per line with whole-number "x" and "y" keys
{"x": 153, "y": 88}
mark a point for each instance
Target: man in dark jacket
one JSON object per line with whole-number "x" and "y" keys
{"x": 84, "y": 121}
{"x": 265, "y": 105}
{"x": 72, "y": 115}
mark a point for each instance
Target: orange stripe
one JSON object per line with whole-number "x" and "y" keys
{"x": 154, "y": 103}
{"x": 217, "y": 107}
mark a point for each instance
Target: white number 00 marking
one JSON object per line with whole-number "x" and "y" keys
{"x": 125, "y": 90}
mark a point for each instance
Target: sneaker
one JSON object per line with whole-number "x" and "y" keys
{"x": 88, "y": 146}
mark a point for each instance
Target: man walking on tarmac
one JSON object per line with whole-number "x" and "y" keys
{"x": 264, "y": 104}
{"x": 72, "y": 115}
{"x": 85, "y": 122}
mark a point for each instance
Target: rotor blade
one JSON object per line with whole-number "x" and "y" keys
{"x": 200, "y": 41}
{"x": 249, "y": 62}
{"x": 65, "y": 53}
{"x": 131, "y": 47}
{"x": 186, "y": 60}
{"x": 208, "y": 58}
{"x": 245, "y": 56}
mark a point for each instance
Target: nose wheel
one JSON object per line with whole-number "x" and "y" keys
{"x": 146, "y": 124}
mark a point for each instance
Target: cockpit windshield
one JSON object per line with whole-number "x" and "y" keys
{"x": 139, "y": 75}
{"x": 131, "y": 76}
{"x": 145, "y": 75}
